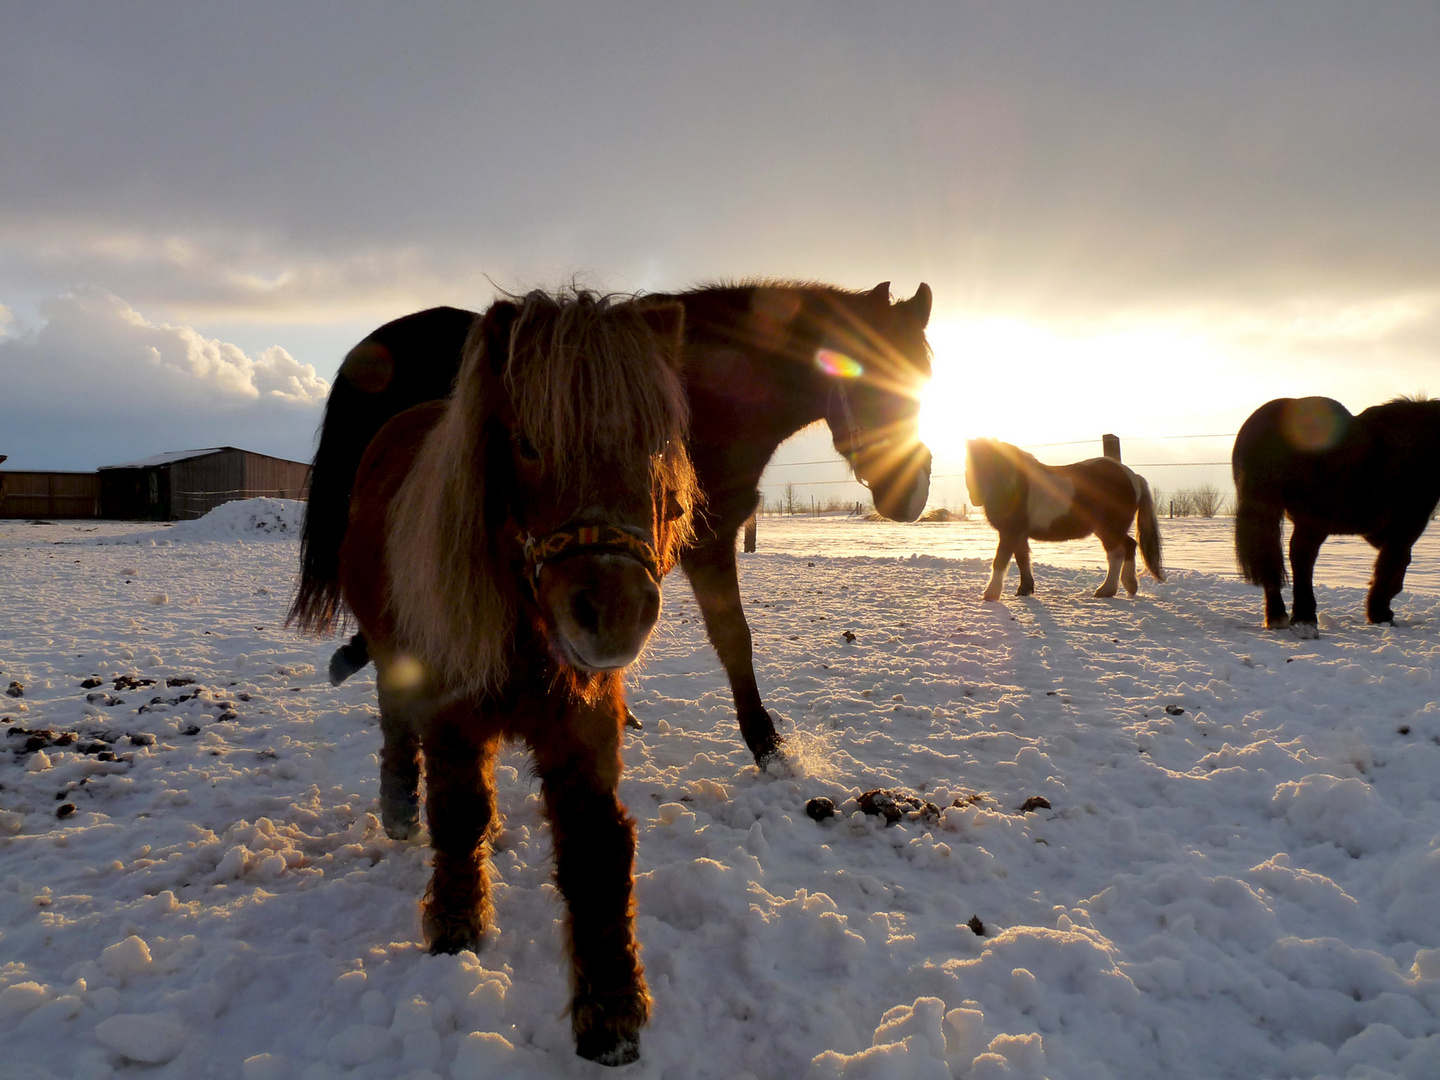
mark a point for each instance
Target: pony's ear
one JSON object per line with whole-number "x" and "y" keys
{"x": 918, "y": 306}
{"x": 495, "y": 326}
{"x": 667, "y": 323}
{"x": 880, "y": 293}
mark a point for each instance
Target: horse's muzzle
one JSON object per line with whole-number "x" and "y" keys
{"x": 901, "y": 493}
{"x": 602, "y": 606}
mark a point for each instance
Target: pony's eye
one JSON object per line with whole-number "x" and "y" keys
{"x": 526, "y": 449}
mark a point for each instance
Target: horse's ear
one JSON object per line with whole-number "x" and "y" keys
{"x": 495, "y": 326}
{"x": 918, "y": 306}
{"x": 667, "y": 323}
{"x": 880, "y": 293}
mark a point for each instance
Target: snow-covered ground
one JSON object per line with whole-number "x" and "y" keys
{"x": 1236, "y": 875}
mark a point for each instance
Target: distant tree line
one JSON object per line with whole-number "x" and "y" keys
{"x": 1205, "y": 500}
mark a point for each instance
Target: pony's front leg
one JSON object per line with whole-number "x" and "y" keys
{"x": 1115, "y": 559}
{"x": 594, "y": 842}
{"x": 998, "y": 568}
{"x": 1022, "y": 563}
{"x": 716, "y": 582}
{"x": 459, "y": 808}
{"x": 1304, "y": 550}
{"x": 1387, "y": 581}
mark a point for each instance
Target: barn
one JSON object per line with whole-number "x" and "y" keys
{"x": 190, "y": 483}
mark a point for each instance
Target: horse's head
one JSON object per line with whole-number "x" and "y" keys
{"x": 587, "y": 443}
{"x": 875, "y": 361}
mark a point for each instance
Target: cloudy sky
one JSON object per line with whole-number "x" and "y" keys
{"x": 1145, "y": 218}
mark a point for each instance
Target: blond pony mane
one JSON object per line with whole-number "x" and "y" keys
{"x": 592, "y": 385}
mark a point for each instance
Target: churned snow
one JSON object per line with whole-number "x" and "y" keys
{"x": 1160, "y": 842}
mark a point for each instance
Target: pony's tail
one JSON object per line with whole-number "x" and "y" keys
{"x": 327, "y": 513}
{"x": 1258, "y": 547}
{"x": 1148, "y": 526}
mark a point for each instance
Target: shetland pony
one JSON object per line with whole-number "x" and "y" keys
{"x": 1026, "y": 501}
{"x": 503, "y": 560}
{"x": 1376, "y": 474}
{"x": 762, "y": 360}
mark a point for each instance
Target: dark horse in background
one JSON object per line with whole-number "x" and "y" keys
{"x": 1376, "y": 475}
{"x": 761, "y": 361}
{"x": 1026, "y": 501}
{"x": 503, "y": 560}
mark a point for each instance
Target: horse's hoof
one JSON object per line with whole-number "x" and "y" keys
{"x": 607, "y": 1027}
{"x": 622, "y": 1051}
{"x": 1023, "y": 591}
{"x": 452, "y": 932}
{"x": 1305, "y": 631}
{"x": 1279, "y": 623}
{"x": 771, "y": 758}
{"x": 633, "y": 721}
{"x": 990, "y": 597}
{"x": 399, "y": 828}
{"x": 1104, "y": 593}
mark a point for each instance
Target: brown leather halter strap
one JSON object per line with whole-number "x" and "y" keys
{"x": 575, "y": 539}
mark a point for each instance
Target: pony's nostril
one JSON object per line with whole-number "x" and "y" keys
{"x": 585, "y": 612}
{"x": 650, "y": 607}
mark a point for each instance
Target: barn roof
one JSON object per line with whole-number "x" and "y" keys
{"x": 168, "y": 457}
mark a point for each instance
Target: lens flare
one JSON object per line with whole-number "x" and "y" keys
{"x": 837, "y": 364}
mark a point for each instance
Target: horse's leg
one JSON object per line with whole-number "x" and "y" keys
{"x": 998, "y": 568}
{"x": 1305, "y": 544}
{"x": 459, "y": 808}
{"x": 593, "y": 838}
{"x": 1127, "y": 568}
{"x": 1022, "y": 563}
{"x": 399, "y": 766}
{"x": 1115, "y": 558}
{"x": 1388, "y": 580}
{"x": 716, "y": 583}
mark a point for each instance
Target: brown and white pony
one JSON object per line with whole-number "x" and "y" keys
{"x": 503, "y": 560}
{"x": 1026, "y": 501}
{"x": 763, "y": 359}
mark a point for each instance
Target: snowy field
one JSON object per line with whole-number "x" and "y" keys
{"x": 1236, "y": 875}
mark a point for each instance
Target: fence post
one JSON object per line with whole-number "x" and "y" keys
{"x": 1111, "y": 445}
{"x": 750, "y": 532}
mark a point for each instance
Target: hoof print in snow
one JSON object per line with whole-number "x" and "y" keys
{"x": 976, "y": 925}
{"x": 228, "y": 714}
{"x": 16, "y": 690}
{"x": 1174, "y": 710}
{"x": 1034, "y": 802}
{"x": 39, "y": 739}
{"x": 193, "y": 729}
{"x": 820, "y": 808}
{"x": 64, "y": 810}
{"x": 92, "y": 682}
{"x": 849, "y": 637}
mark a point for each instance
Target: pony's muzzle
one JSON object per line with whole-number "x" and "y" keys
{"x": 902, "y": 492}
{"x": 602, "y": 605}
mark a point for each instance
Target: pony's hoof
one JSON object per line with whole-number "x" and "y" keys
{"x": 990, "y": 597}
{"x": 607, "y": 1028}
{"x": 633, "y": 721}
{"x": 399, "y": 827}
{"x": 452, "y": 932}
{"x": 1305, "y": 631}
{"x": 1280, "y": 622}
{"x": 621, "y": 1052}
{"x": 1103, "y": 593}
{"x": 771, "y": 758}
{"x": 1025, "y": 591}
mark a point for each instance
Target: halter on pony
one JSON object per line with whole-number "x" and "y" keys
{"x": 571, "y": 540}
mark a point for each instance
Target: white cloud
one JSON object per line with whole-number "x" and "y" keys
{"x": 95, "y": 348}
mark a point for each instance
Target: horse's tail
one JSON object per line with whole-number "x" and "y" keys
{"x": 405, "y": 362}
{"x": 1258, "y": 547}
{"x": 1259, "y": 506}
{"x": 1148, "y": 526}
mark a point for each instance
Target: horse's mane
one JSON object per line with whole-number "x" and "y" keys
{"x": 592, "y": 386}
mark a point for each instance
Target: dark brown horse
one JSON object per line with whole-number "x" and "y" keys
{"x": 503, "y": 560}
{"x": 1026, "y": 501}
{"x": 1376, "y": 475}
{"x": 762, "y": 361}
